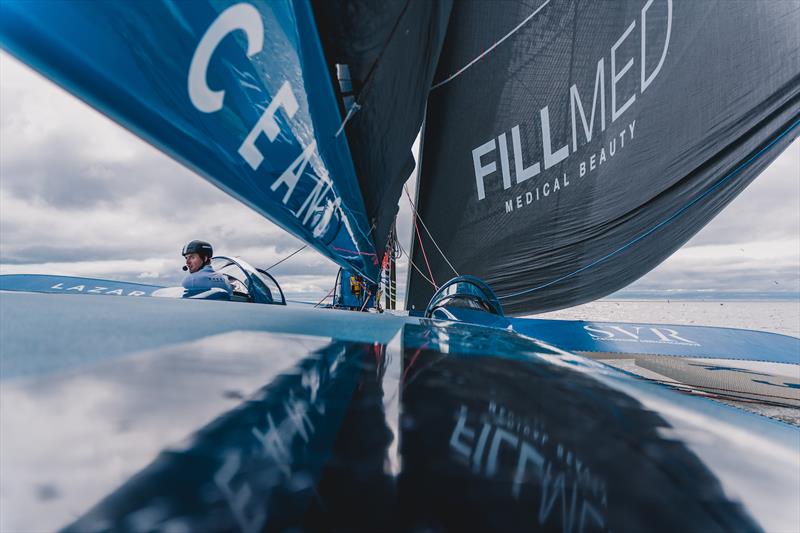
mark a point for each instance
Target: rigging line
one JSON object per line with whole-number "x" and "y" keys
{"x": 287, "y": 257}
{"x": 403, "y": 252}
{"x": 495, "y": 45}
{"x": 366, "y": 301}
{"x": 356, "y": 105}
{"x": 326, "y": 296}
{"x": 663, "y": 222}
{"x": 424, "y": 254}
{"x": 338, "y": 249}
{"x": 332, "y": 291}
{"x": 416, "y": 213}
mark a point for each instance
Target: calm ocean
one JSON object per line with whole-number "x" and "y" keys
{"x": 777, "y": 316}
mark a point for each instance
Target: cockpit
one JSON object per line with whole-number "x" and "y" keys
{"x": 249, "y": 284}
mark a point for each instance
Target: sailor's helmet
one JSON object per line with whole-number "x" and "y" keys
{"x": 198, "y": 247}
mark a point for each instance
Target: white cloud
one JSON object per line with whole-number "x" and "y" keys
{"x": 35, "y": 110}
{"x": 753, "y": 245}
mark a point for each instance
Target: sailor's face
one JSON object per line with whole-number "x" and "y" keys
{"x": 194, "y": 262}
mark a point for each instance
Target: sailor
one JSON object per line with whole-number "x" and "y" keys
{"x": 202, "y": 278}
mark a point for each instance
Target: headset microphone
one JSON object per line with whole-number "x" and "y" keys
{"x": 184, "y": 268}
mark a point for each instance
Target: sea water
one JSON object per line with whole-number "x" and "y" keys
{"x": 776, "y": 316}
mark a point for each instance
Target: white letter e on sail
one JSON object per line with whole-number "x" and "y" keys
{"x": 239, "y": 17}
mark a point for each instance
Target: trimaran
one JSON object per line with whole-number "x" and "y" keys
{"x": 568, "y": 147}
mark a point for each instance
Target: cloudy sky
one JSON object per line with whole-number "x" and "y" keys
{"x": 81, "y": 196}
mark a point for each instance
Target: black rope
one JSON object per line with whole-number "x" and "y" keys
{"x": 368, "y": 77}
{"x": 287, "y": 257}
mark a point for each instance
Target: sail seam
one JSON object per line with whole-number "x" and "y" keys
{"x": 663, "y": 222}
{"x": 492, "y": 47}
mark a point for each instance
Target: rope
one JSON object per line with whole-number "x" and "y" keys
{"x": 326, "y": 296}
{"x": 287, "y": 257}
{"x": 333, "y": 290}
{"x": 416, "y": 213}
{"x": 403, "y": 252}
{"x": 366, "y": 84}
{"x": 424, "y": 255}
{"x": 366, "y": 301}
{"x": 660, "y": 224}
{"x": 495, "y": 45}
{"x": 356, "y": 252}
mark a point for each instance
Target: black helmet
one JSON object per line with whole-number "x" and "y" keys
{"x": 198, "y": 247}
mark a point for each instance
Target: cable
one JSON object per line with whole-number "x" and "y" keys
{"x": 495, "y": 45}
{"x": 326, "y": 296}
{"x": 287, "y": 257}
{"x": 366, "y": 301}
{"x": 366, "y": 83}
{"x": 424, "y": 255}
{"x": 332, "y": 291}
{"x": 403, "y": 252}
{"x": 416, "y": 213}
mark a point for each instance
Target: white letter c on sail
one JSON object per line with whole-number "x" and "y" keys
{"x": 243, "y": 17}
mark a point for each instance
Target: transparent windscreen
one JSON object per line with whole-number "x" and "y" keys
{"x": 272, "y": 287}
{"x": 236, "y": 276}
{"x": 247, "y": 281}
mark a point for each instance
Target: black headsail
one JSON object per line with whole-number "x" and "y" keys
{"x": 571, "y": 146}
{"x": 384, "y": 54}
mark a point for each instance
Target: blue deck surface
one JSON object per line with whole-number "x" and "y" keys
{"x": 43, "y": 333}
{"x": 224, "y": 416}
